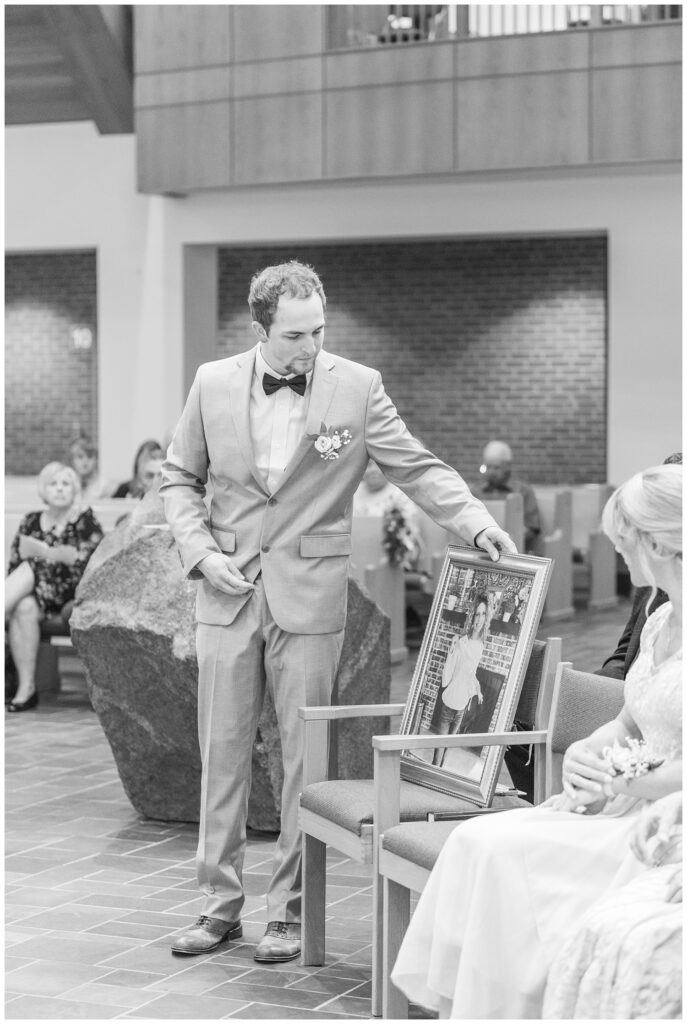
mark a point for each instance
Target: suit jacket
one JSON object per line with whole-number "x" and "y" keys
{"x": 620, "y": 662}
{"x": 299, "y": 536}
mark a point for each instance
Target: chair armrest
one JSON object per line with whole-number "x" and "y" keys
{"x": 327, "y": 713}
{"x": 316, "y": 732}
{"x": 387, "y": 764}
{"x": 430, "y": 741}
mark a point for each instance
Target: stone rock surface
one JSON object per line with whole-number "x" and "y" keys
{"x": 134, "y": 627}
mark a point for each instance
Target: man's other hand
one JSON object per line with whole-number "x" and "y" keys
{"x": 494, "y": 540}
{"x": 223, "y": 575}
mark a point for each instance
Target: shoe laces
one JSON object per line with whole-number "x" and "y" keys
{"x": 280, "y": 929}
{"x": 203, "y": 920}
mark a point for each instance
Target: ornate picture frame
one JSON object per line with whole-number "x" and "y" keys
{"x": 471, "y": 666}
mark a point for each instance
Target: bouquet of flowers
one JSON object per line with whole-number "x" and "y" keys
{"x": 398, "y": 540}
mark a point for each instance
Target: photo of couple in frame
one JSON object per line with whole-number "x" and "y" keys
{"x": 471, "y": 666}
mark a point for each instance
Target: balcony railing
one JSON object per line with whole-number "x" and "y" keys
{"x": 351, "y": 25}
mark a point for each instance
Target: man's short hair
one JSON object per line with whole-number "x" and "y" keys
{"x": 297, "y": 280}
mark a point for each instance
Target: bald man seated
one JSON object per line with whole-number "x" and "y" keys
{"x": 497, "y": 482}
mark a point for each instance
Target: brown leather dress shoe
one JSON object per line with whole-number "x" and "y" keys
{"x": 280, "y": 942}
{"x": 205, "y": 935}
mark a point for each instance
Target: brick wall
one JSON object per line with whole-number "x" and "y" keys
{"x": 50, "y": 386}
{"x": 475, "y": 339}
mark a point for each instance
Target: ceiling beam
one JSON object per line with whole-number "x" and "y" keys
{"x": 97, "y": 50}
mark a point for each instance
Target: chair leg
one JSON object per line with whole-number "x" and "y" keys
{"x": 377, "y": 943}
{"x": 396, "y": 915}
{"x": 314, "y": 874}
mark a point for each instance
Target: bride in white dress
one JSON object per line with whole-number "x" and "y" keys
{"x": 507, "y": 888}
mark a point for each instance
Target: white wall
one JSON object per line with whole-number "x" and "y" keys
{"x": 67, "y": 187}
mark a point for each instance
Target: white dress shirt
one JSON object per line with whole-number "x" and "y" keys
{"x": 277, "y": 422}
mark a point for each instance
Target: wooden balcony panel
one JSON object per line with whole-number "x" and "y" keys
{"x": 277, "y": 139}
{"x": 403, "y": 129}
{"x": 303, "y": 74}
{"x": 523, "y": 121}
{"x": 394, "y": 65}
{"x": 648, "y": 44}
{"x": 183, "y": 148}
{"x": 170, "y": 36}
{"x": 194, "y": 85}
{"x": 513, "y": 55}
{"x": 288, "y": 30}
{"x": 637, "y": 114}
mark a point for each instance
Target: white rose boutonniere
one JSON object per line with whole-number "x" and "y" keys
{"x": 330, "y": 441}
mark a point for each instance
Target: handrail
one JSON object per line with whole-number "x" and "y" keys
{"x": 353, "y": 26}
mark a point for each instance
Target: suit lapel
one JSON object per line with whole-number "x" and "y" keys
{"x": 239, "y": 403}
{"x": 324, "y": 383}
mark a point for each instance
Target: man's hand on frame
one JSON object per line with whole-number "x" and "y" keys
{"x": 494, "y": 540}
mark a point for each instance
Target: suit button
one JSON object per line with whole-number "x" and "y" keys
{"x": 265, "y": 549}
{"x": 272, "y": 501}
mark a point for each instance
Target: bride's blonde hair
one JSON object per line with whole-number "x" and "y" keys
{"x": 646, "y": 513}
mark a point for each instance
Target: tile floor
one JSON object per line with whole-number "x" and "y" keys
{"x": 94, "y": 892}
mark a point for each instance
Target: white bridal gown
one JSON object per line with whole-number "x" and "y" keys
{"x": 507, "y": 887}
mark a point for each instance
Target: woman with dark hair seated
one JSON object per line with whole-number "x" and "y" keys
{"x": 47, "y": 559}
{"x": 144, "y": 475}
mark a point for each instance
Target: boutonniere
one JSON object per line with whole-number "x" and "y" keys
{"x": 330, "y": 441}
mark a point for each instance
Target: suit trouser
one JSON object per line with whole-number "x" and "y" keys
{"x": 235, "y": 663}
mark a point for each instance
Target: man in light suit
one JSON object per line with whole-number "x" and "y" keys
{"x": 280, "y": 436}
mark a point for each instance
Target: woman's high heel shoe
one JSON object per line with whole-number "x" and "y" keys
{"x": 25, "y": 705}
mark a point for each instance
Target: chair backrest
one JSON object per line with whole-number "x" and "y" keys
{"x": 581, "y": 703}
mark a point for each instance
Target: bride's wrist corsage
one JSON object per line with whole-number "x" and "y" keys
{"x": 630, "y": 760}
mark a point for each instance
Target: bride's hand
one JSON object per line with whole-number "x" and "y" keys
{"x": 585, "y": 772}
{"x": 655, "y": 827}
{"x": 582, "y": 803}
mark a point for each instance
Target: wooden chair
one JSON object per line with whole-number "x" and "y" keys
{"x": 580, "y": 702}
{"x": 349, "y": 815}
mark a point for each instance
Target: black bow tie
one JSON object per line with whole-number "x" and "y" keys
{"x": 272, "y": 384}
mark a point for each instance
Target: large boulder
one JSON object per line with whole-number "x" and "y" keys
{"x": 134, "y": 627}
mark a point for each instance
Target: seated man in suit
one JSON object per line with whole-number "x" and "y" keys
{"x": 496, "y": 468}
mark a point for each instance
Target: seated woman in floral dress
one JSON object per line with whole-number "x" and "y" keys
{"x": 47, "y": 559}
{"x": 508, "y": 888}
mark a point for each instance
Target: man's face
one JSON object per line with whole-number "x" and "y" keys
{"x": 374, "y": 478}
{"x": 295, "y": 338}
{"x": 497, "y": 472}
{"x": 150, "y": 474}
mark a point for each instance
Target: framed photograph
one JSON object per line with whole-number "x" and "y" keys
{"x": 471, "y": 666}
